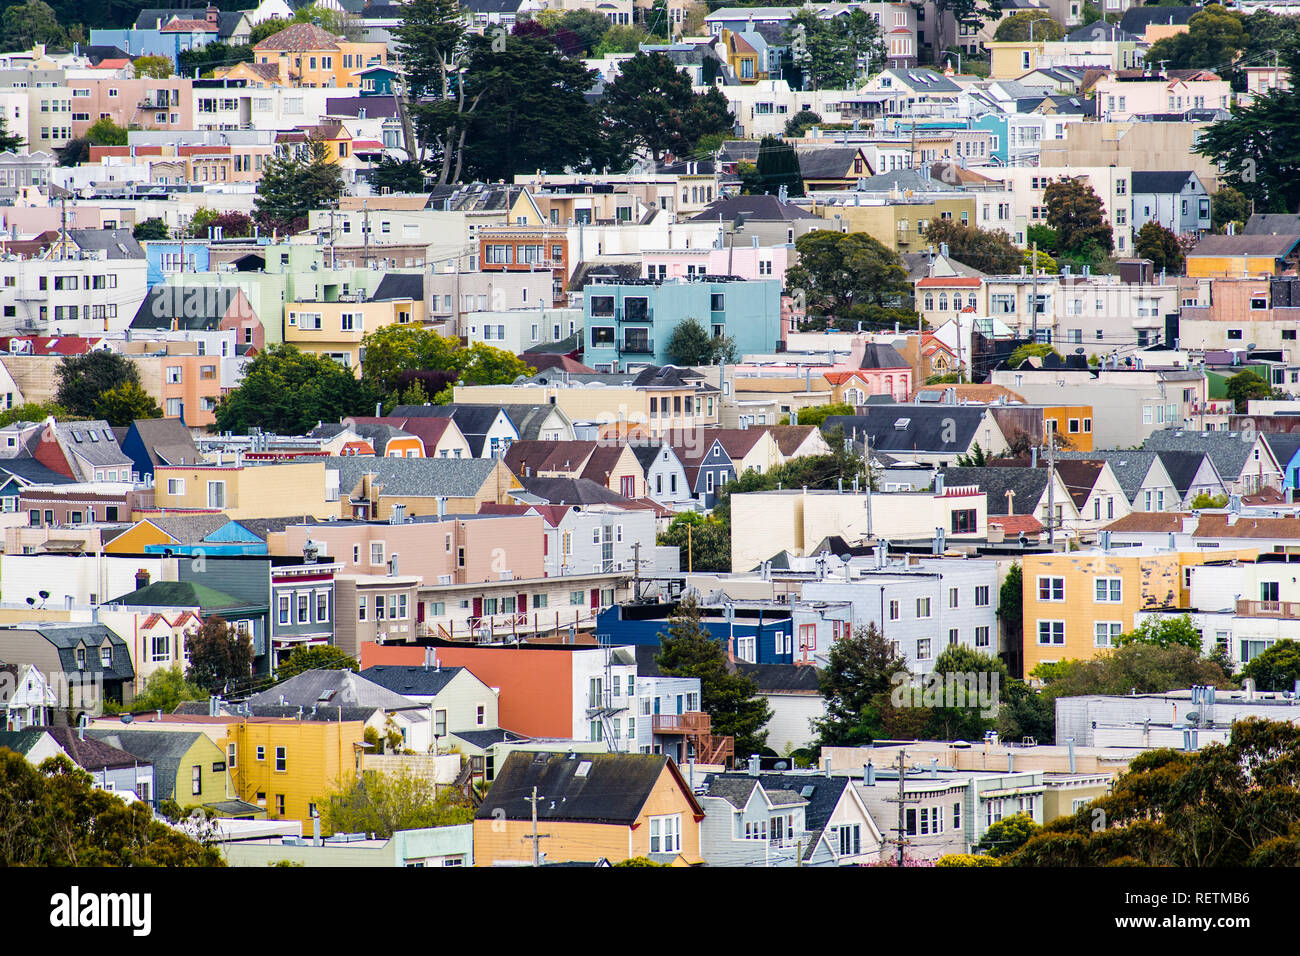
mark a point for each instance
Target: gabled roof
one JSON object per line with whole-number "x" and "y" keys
{"x": 23, "y": 741}
{"x": 1161, "y": 180}
{"x": 415, "y": 477}
{"x": 188, "y": 529}
{"x": 91, "y": 754}
{"x": 822, "y": 800}
{"x": 1218, "y": 526}
{"x": 166, "y": 441}
{"x": 116, "y": 243}
{"x": 1129, "y": 467}
{"x": 782, "y": 678}
{"x": 180, "y": 594}
{"x": 1277, "y": 246}
{"x": 299, "y": 38}
{"x": 163, "y": 748}
{"x": 907, "y": 428}
{"x": 1182, "y": 466}
{"x": 765, "y": 208}
{"x": 1226, "y": 449}
{"x": 1278, "y": 224}
{"x": 609, "y": 788}
{"x": 1027, "y": 484}
{"x": 418, "y": 681}
{"x": 331, "y": 688}
{"x": 66, "y": 638}
{"x": 571, "y": 491}
{"x": 790, "y": 438}
{"x": 400, "y": 285}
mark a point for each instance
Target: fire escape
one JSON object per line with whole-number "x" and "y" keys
{"x": 603, "y": 705}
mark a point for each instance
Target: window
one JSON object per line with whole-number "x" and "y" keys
{"x": 923, "y": 607}
{"x": 1105, "y": 633}
{"x": 216, "y": 494}
{"x": 175, "y": 486}
{"x": 261, "y": 753}
{"x": 376, "y": 552}
{"x": 893, "y": 610}
{"x": 923, "y": 649}
{"x": 1051, "y": 632}
{"x": 281, "y": 760}
{"x": 196, "y": 780}
{"x": 304, "y": 608}
{"x": 666, "y": 834}
{"x": 965, "y": 522}
{"x": 982, "y": 637}
{"x": 322, "y": 606}
{"x": 361, "y": 607}
{"x": 1051, "y": 589}
{"x": 283, "y": 614}
{"x": 279, "y": 804}
{"x": 1108, "y": 590}
{"x": 161, "y": 649}
{"x": 982, "y": 596}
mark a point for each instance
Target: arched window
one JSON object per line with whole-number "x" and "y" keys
{"x": 943, "y": 301}
{"x": 929, "y": 301}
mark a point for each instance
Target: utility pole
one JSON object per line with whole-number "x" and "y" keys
{"x": 1033, "y": 303}
{"x": 636, "y": 571}
{"x": 902, "y": 826}
{"x": 1051, "y": 487}
{"x": 536, "y": 837}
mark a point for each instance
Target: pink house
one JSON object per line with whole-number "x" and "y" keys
{"x": 747, "y": 262}
{"x": 868, "y": 368}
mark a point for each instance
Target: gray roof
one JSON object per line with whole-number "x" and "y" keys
{"x": 903, "y": 429}
{"x": 486, "y": 738}
{"x": 825, "y": 796}
{"x": 1284, "y": 446}
{"x": 571, "y": 491}
{"x": 1182, "y": 466}
{"x": 1137, "y": 19}
{"x": 472, "y": 420}
{"x": 401, "y": 679}
{"x": 91, "y": 753}
{"x": 167, "y": 441}
{"x": 400, "y": 285}
{"x": 66, "y": 638}
{"x": 528, "y": 419}
{"x": 921, "y": 79}
{"x": 415, "y": 477}
{"x": 737, "y": 791}
{"x": 32, "y": 472}
{"x": 163, "y": 305}
{"x": 1098, "y": 31}
{"x": 117, "y": 243}
{"x": 331, "y": 688}
{"x": 757, "y": 208}
{"x": 22, "y": 741}
{"x": 876, "y": 355}
{"x": 1028, "y": 485}
{"x": 1129, "y": 467}
{"x": 1161, "y": 180}
{"x": 917, "y": 180}
{"x": 94, "y": 441}
{"x": 1226, "y": 449}
{"x": 781, "y": 678}
{"x": 1270, "y": 244}
{"x": 189, "y": 529}
{"x": 608, "y": 788}
{"x": 1277, "y": 224}
{"x": 162, "y": 748}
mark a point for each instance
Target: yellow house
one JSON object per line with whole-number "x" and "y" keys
{"x": 741, "y": 57}
{"x": 333, "y": 134}
{"x": 306, "y": 55}
{"x": 289, "y": 766}
{"x": 1076, "y": 604}
{"x": 610, "y": 806}
{"x": 189, "y": 767}
{"x": 335, "y": 329}
{"x": 1217, "y": 257}
{"x": 255, "y": 75}
{"x": 1010, "y": 59}
{"x": 269, "y": 490}
{"x": 899, "y": 225}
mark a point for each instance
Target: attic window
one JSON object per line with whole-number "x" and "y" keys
{"x": 583, "y": 769}
{"x": 75, "y": 435}
{"x": 325, "y": 697}
{"x": 902, "y": 424}
{"x": 94, "y": 436}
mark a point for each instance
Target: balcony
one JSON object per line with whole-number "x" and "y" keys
{"x": 1288, "y": 610}
{"x": 639, "y": 346}
{"x": 691, "y": 722}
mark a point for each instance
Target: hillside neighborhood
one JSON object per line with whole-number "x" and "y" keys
{"x": 549, "y": 433}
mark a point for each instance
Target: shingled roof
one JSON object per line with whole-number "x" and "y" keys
{"x": 299, "y": 38}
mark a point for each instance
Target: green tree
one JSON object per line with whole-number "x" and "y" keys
{"x": 1228, "y": 205}
{"x": 639, "y": 861}
{"x": 54, "y": 816}
{"x": 860, "y": 669}
{"x": 1163, "y": 632}
{"x": 1225, "y": 805}
{"x": 987, "y": 250}
{"x": 652, "y": 106}
{"x": 287, "y": 391}
{"x": 690, "y": 344}
{"x": 1075, "y": 211}
{"x": 819, "y": 413}
{"x": 1213, "y": 39}
{"x": 233, "y": 225}
{"x": 1024, "y": 712}
{"x": 589, "y": 26}
{"x": 704, "y": 543}
{"x": 36, "y": 412}
{"x": 1008, "y": 835}
{"x": 801, "y": 122}
{"x": 83, "y": 379}
{"x": 833, "y": 53}
{"x": 1207, "y": 500}
{"x": 221, "y": 658}
{"x": 104, "y": 132}
{"x": 1011, "y": 605}
{"x": 267, "y": 28}
{"x": 778, "y": 165}
{"x": 321, "y": 657}
{"x": 154, "y": 67}
{"x": 394, "y": 352}
{"x": 151, "y": 229}
{"x": 1045, "y": 236}
{"x": 123, "y": 404}
{"x": 399, "y": 176}
{"x": 9, "y": 142}
{"x": 74, "y": 152}
{"x": 620, "y": 38}
{"x": 729, "y": 697}
{"x": 25, "y": 24}
{"x": 482, "y": 364}
{"x": 841, "y": 271}
{"x": 1146, "y": 668}
{"x": 1276, "y": 668}
{"x": 1030, "y": 350}
{"x": 164, "y": 690}
{"x": 383, "y": 803}
{"x": 1160, "y": 245}
{"x": 977, "y": 458}
{"x": 1016, "y": 28}
{"x": 291, "y": 186}
{"x": 1244, "y": 386}
{"x": 967, "y": 720}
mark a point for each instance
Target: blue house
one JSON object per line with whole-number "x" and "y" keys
{"x": 706, "y": 473}
{"x": 232, "y": 538}
{"x": 630, "y": 321}
{"x": 376, "y": 81}
{"x": 757, "y": 631}
{"x": 150, "y": 442}
{"x": 1286, "y": 449}
{"x": 164, "y": 258}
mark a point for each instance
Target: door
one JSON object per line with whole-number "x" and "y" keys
{"x": 679, "y": 704}
{"x": 595, "y": 597}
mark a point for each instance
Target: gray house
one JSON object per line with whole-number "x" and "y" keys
{"x": 110, "y": 767}
{"x": 665, "y": 476}
{"x": 1177, "y": 199}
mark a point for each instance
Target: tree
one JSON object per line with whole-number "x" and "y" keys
{"x": 9, "y": 142}
{"x": 83, "y": 379}
{"x": 399, "y": 176}
{"x": 29, "y": 23}
{"x": 396, "y": 353}
{"x": 35, "y": 412}
{"x": 729, "y": 697}
{"x": 987, "y": 250}
{"x": 291, "y": 186}
{"x": 123, "y": 404}
{"x": 1045, "y": 236}
{"x": 1163, "y": 632}
{"x": 220, "y": 656}
{"x": 1276, "y": 668}
{"x": 819, "y": 413}
{"x": 287, "y": 391}
{"x": 429, "y": 43}
{"x": 74, "y": 152}
{"x": 154, "y": 67}
{"x": 1030, "y": 350}
{"x": 801, "y": 122}
{"x": 639, "y": 861}
{"x": 1160, "y": 245}
{"x": 1024, "y": 712}
{"x": 1017, "y": 27}
{"x": 841, "y": 271}
{"x": 967, "y": 719}
{"x": 1225, "y": 805}
{"x": 704, "y": 543}
{"x": 1146, "y": 668}
{"x": 152, "y": 228}
{"x": 1011, "y": 605}
{"x": 233, "y": 225}
{"x": 1008, "y": 835}
{"x": 104, "y": 132}
{"x": 320, "y": 657}
{"x": 1074, "y": 210}
{"x": 778, "y": 165}
{"x": 690, "y": 344}
{"x": 977, "y": 458}
{"x": 968, "y": 13}
{"x": 1212, "y": 41}
{"x": 1244, "y": 386}
{"x": 860, "y": 668}
{"x": 652, "y": 106}
{"x": 1228, "y": 205}
{"x": 482, "y": 364}
{"x": 383, "y": 803}
{"x": 202, "y": 60}
{"x": 164, "y": 690}
{"x": 832, "y": 53}
{"x": 588, "y": 27}
{"x": 54, "y": 816}
{"x": 1207, "y": 500}
{"x": 620, "y": 39}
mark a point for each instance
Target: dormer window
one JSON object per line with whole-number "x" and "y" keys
{"x": 81, "y": 658}
{"x": 106, "y": 655}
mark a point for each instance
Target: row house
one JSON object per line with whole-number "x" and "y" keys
{"x": 151, "y": 103}
{"x": 95, "y": 283}
{"x": 579, "y": 539}
{"x": 335, "y": 328}
{"x": 1112, "y": 184}
{"x": 308, "y": 56}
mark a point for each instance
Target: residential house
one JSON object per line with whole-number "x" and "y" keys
{"x": 109, "y": 765}
{"x": 924, "y": 433}
{"x": 26, "y": 697}
{"x": 188, "y": 768}
{"x": 457, "y": 700}
{"x": 373, "y": 488}
{"x": 83, "y": 662}
{"x": 157, "y": 441}
{"x": 1176, "y": 199}
{"x": 1244, "y": 465}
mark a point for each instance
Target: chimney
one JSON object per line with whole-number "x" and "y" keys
{"x": 141, "y": 579}
{"x": 442, "y": 508}
{"x": 428, "y": 658}
{"x": 869, "y": 775}
{"x": 1011, "y": 762}
{"x": 938, "y": 482}
{"x": 934, "y": 768}
{"x": 826, "y": 766}
{"x": 753, "y": 765}
{"x": 1103, "y": 539}
{"x": 1069, "y": 742}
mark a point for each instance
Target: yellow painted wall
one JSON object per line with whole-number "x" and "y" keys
{"x": 134, "y": 540}
{"x": 252, "y": 491}
{"x": 319, "y": 756}
{"x": 1217, "y": 267}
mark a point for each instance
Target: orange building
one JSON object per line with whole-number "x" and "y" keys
{"x": 309, "y": 56}
{"x": 527, "y": 249}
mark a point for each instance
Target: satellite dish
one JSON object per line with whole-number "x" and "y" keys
{"x": 44, "y": 595}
